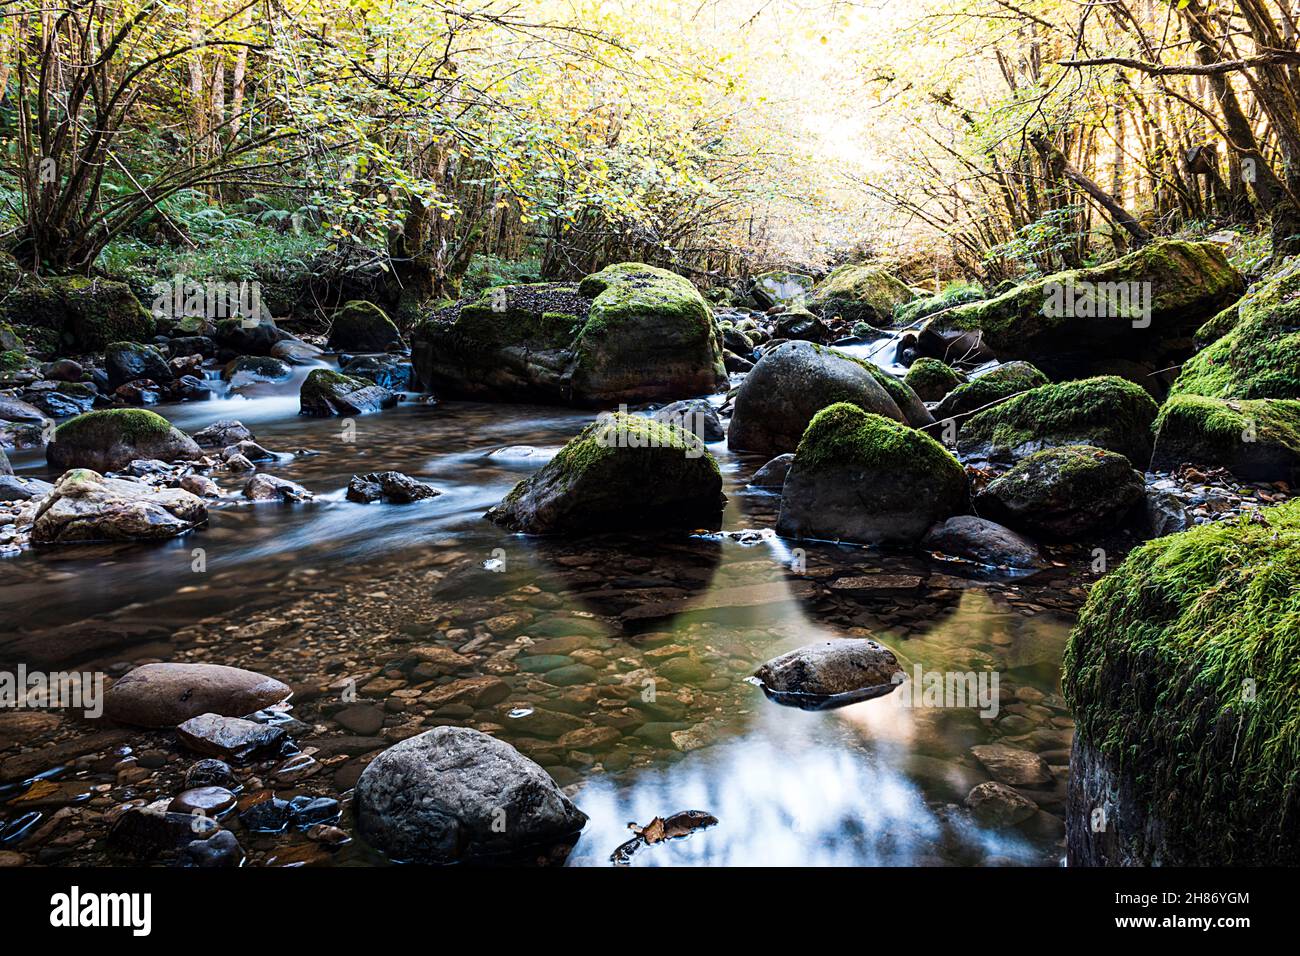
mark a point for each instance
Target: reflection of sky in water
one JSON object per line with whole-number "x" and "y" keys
{"x": 795, "y": 790}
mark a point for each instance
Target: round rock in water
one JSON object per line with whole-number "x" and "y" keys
{"x": 457, "y": 795}
{"x": 164, "y": 695}
{"x": 830, "y": 674}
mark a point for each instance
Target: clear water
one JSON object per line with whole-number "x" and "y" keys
{"x": 873, "y": 783}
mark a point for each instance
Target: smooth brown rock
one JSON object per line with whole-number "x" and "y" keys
{"x": 164, "y": 695}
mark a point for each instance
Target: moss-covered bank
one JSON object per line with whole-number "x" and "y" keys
{"x": 1184, "y": 676}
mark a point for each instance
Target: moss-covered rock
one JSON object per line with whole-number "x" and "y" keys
{"x": 1258, "y": 356}
{"x": 792, "y": 383}
{"x": 781, "y": 287}
{"x": 1143, "y": 308}
{"x": 861, "y": 293}
{"x": 86, "y": 314}
{"x": 10, "y": 340}
{"x": 1182, "y": 675}
{"x": 112, "y": 438}
{"x": 922, "y": 307}
{"x": 361, "y": 326}
{"x": 649, "y": 335}
{"x": 1064, "y": 492}
{"x": 630, "y": 332}
{"x": 325, "y": 392}
{"x": 860, "y": 477}
{"x": 932, "y": 379}
{"x": 1255, "y": 440}
{"x": 994, "y": 385}
{"x": 623, "y": 472}
{"x": 1107, "y": 412}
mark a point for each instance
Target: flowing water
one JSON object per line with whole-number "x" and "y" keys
{"x": 325, "y": 591}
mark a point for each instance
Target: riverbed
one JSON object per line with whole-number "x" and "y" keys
{"x": 632, "y": 649}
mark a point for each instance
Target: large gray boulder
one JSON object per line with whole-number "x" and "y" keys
{"x": 791, "y": 384}
{"x": 167, "y": 694}
{"x": 86, "y": 506}
{"x": 867, "y": 479}
{"x": 455, "y": 795}
{"x": 112, "y": 438}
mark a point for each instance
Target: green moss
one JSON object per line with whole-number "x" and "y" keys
{"x": 845, "y": 434}
{"x": 1106, "y": 411}
{"x": 861, "y": 293}
{"x": 631, "y": 292}
{"x": 999, "y": 383}
{"x": 516, "y": 315}
{"x": 103, "y": 428}
{"x": 13, "y": 360}
{"x": 1259, "y": 356}
{"x": 958, "y": 293}
{"x": 1184, "y": 277}
{"x": 1184, "y": 672}
{"x": 1255, "y": 439}
{"x": 362, "y": 321}
{"x": 932, "y": 379}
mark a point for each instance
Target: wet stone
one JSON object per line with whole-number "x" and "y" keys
{"x": 229, "y": 737}
{"x": 266, "y": 816}
{"x": 365, "y": 720}
{"x": 222, "y": 850}
{"x": 207, "y": 801}
{"x": 210, "y": 773}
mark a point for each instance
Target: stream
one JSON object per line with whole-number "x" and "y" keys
{"x": 329, "y": 592}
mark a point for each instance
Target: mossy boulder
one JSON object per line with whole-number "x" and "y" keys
{"x": 623, "y": 472}
{"x": 792, "y": 383}
{"x": 649, "y": 335}
{"x": 994, "y": 385}
{"x": 864, "y": 478}
{"x": 630, "y": 332}
{"x": 861, "y": 293}
{"x": 1256, "y": 440}
{"x": 1107, "y": 412}
{"x": 361, "y": 326}
{"x": 85, "y": 314}
{"x": 10, "y": 340}
{"x": 932, "y": 379}
{"x": 779, "y": 287}
{"x": 927, "y": 305}
{"x": 325, "y": 393}
{"x": 1258, "y": 354}
{"x": 1064, "y": 493}
{"x": 110, "y": 439}
{"x": 1181, "y": 674}
{"x": 1142, "y": 308}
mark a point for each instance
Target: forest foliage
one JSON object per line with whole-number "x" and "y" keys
{"x": 423, "y": 138}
